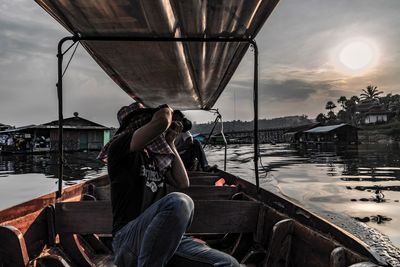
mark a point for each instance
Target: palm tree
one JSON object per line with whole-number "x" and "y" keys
{"x": 370, "y": 92}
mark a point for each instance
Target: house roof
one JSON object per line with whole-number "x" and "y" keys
{"x": 18, "y": 129}
{"x": 325, "y": 129}
{"x": 4, "y": 125}
{"x": 72, "y": 123}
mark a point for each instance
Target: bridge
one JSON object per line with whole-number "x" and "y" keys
{"x": 273, "y": 135}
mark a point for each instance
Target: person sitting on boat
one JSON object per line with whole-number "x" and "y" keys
{"x": 190, "y": 149}
{"x": 148, "y": 225}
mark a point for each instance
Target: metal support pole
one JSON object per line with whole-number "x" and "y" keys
{"x": 255, "y": 101}
{"x": 225, "y": 144}
{"x": 60, "y": 56}
{"x": 212, "y": 131}
{"x": 78, "y": 37}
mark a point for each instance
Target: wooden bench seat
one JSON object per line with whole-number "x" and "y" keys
{"x": 206, "y": 192}
{"x": 73, "y": 220}
{"x": 196, "y": 192}
{"x": 211, "y": 216}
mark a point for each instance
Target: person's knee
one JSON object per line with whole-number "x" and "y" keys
{"x": 182, "y": 205}
{"x": 228, "y": 261}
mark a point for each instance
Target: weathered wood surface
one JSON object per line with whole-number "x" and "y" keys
{"x": 364, "y": 264}
{"x": 204, "y": 181}
{"x": 73, "y": 247}
{"x": 103, "y": 261}
{"x": 51, "y": 261}
{"x": 307, "y": 218}
{"x": 280, "y": 244}
{"x": 211, "y": 216}
{"x": 36, "y": 233}
{"x": 225, "y": 216}
{"x": 338, "y": 257}
{"x": 201, "y": 173}
{"x": 206, "y": 192}
{"x": 13, "y": 250}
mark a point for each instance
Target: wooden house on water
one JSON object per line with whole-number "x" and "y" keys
{"x": 332, "y": 134}
{"x": 4, "y": 127}
{"x": 79, "y": 135}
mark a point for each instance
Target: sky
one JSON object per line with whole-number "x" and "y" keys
{"x": 311, "y": 52}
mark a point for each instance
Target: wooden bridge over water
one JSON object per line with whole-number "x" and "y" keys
{"x": 273, "y": 135}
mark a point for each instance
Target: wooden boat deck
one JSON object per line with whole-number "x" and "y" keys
{"x": 75, "y": 232}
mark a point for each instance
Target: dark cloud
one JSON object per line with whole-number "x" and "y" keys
{"x": 286, "y": 90}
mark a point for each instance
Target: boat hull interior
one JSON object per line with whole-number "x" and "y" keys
{"x": 234, "y": 218}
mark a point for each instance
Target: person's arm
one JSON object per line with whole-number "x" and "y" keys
{"x": 159, "y": 123}
{"x": 177, "y": 176}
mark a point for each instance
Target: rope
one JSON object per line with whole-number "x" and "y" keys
{"x": 70, "y": 59}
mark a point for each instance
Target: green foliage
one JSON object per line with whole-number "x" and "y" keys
{"x": 370, "y": 92}
{"x": 330, "y": 106}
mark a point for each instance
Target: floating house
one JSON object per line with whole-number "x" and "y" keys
{"x": 296, "y": 135}
{"x": 79, "y": 134}
{"x": 332, "y": 134}
{"x": 377, "y": 116}
{"x": 4, "y": 127}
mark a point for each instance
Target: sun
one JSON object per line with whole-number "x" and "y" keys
{"x": 357, "y": 55}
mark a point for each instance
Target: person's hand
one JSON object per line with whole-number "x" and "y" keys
{"x": 173, "y": 131}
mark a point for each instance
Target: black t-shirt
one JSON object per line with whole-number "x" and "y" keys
{"x": 135, "y": 181}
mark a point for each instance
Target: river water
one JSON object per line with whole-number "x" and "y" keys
{"x": 362, "y": 182}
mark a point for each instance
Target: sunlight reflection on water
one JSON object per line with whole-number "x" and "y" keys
{"x": 363, "y": 183}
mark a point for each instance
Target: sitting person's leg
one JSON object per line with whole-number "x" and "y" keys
{"x": 188, "y": 159}
{"x": 198, "y": 152}
{"x": 152, "y": 238}
{"x": 196, "y": 254}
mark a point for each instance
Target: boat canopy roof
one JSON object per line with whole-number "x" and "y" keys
{"x": 186, "y": 75}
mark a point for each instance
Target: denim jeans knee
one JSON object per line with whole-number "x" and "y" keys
{"x": 182, "y": 204}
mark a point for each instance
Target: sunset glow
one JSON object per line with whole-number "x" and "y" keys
{"x": 357, "y": 55}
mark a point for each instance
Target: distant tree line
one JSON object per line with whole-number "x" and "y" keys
{"x": 351, "y": 109}
{"x": 243, "y": 126}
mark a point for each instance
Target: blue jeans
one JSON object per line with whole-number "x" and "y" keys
{"x": 153, "y": 238}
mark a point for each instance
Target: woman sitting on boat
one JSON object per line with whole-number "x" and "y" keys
{"x": 149, "y": 226}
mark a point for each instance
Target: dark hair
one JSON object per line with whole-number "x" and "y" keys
{"x": 187, "y": 125}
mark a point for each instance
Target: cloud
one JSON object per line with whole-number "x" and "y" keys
{"x": 296, "y": 71}
{"x": 286, "y": 90}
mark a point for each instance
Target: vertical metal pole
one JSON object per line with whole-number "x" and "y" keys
{"x": 212, "y": 131}
{"x": 255, "y": 100}
{"x": 225, "y": 142}
{"x": 225, "y": 155}
{"x": 60, "y": 120}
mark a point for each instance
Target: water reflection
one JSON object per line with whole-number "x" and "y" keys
{"x": 363, "y": 181}
{"x": 78, "y": 165}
